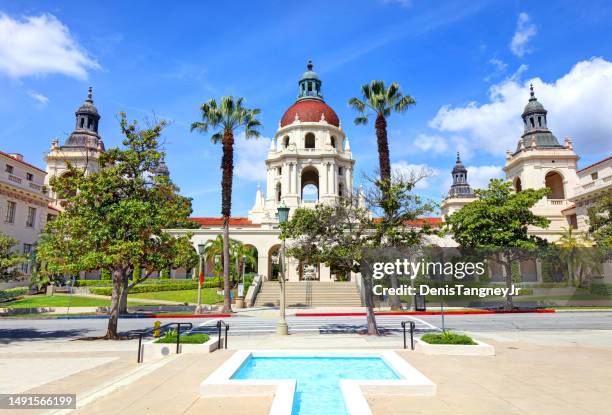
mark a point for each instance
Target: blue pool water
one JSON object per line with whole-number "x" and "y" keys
{"x": 317, "y": 388}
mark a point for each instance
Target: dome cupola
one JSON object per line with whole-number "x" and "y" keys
{"x": 536, "y": 132}
{"x": 460, "y": 186}
{"x": 85, "y": 133}
{"x": 310, "y": 106}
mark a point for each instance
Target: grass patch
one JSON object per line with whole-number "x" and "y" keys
{"x": 170, "y": 337}
{"x": 59, "y": 300}
{"x": 209, "y": 296}
{"x": 447, "y": 338}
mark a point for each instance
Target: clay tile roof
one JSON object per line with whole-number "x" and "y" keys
{"x": 219, "y": 222}
{"x": 310, "y": 110}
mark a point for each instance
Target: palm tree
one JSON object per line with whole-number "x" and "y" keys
{"x": 579, "y": 256}
{"x": 244, "y": 255}
{"x": 382, "y": 101}
{"x": 227, "y": 118}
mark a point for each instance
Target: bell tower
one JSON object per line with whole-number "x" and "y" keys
{"x": 541, "y": 161}
{"x": 310, "y": 159}
{"x": 82, "y": 148}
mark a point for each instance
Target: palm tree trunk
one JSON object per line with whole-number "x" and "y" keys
{"x": 227, "y": 168}
{"x": 384, "y": 162}
{"x": 384, "y": 165}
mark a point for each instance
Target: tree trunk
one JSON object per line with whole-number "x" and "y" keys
{"x": 113, "y": 318}
{"x": 508, "y": 267}
{"x": 384, "y": 163}
{"x": 366, "y": 280}
{"x": 123, "y": 298}
{"x": 396, "y": 302}
{"x": 369, "y": 300}
{"x": 227, "y": 167}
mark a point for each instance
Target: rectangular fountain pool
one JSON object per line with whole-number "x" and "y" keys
{"x": 317, "y": 389}
{"x": 316, "y": 382}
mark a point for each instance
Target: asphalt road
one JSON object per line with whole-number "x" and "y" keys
{"x": 16, "y": 329}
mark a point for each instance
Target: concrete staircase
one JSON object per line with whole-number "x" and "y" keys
{"x": 310, "y": 294}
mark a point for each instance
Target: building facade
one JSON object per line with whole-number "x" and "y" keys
{"x": 24, "y": 203}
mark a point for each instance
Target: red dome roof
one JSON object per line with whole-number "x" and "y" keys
{"x": 310, "y": 110}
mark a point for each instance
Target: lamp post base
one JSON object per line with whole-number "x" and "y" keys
{"x": 282, "y": 328}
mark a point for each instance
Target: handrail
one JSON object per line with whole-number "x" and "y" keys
{"x": 178, "y": 336}
{"x": 412, "y": 328}
{"x": 219, "y": 323}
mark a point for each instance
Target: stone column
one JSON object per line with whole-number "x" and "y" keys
{"x": 324, "y": 273}
{"x": 323, "y": 180}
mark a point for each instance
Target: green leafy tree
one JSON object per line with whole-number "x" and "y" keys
{"x": 335, "y": 235}
{"x": 244, "y": 256}
{"x": 115, "y": 217}
{"x": 10, "y": 259}
{"x": 600, "y": 222}
{"x": 226, "y": 119}
{"x": 497, "y": 223}
{"x": 580, "y": 256}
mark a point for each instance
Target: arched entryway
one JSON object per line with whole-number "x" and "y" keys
{"x": 310, "y": 184}
{"x": 554, "y": 181}
{"x": 274, "y": 263}
{"x": 518, "y": 186}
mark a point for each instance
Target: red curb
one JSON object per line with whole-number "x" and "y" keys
{"x": 188, "y": 315}
{"x": 424, "y": 313}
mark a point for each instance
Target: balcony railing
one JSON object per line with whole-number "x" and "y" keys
{"x": 594, "y": 185}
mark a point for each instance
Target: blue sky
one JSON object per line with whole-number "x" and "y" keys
{"x": 467, "y": 64}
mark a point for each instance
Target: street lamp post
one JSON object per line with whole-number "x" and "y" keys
{"x": 200, "y": 279}
{"x": 281, "y": 327}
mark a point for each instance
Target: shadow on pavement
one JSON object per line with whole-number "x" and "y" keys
{"x": 8, "y": 336}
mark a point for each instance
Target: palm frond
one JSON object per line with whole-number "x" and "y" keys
{"x": 362, "y": 120}
{"x": 403, "y": 104}
{"x": 216, "y": 137}
{"x": 357, "y": 104}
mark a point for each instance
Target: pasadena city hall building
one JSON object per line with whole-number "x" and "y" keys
{"x": 310, "y": 162}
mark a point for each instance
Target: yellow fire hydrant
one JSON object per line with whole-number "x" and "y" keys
{"x": 156, "y": 327}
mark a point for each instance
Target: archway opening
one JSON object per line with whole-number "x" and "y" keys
{"x": 278, "y": 192}
{"x": 333, "y": 141}
{"x": 274, "y": 269}
{"x": 309, "y": 141}
{"x": 518, "y": 186}
{"x": 554, "y": 182}
{"x": 310, "y": 184}
{"x": 286, "y": 141}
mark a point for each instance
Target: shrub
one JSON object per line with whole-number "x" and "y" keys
{"x": 12, "y": 293}
{"x": 105, "y": 274}
{"x": 601, "y": 289}
{"x": 447, "y": 338}
{"x": 170, "y": 337}
{"x": 164, "y": 285}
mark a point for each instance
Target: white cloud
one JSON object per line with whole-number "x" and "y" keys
{"x": 38, "y": 97}
{"x": 250, "y": 158}
{"x": 479, "y": 176}
{"x": 408, "y": 170}
{"x": 525, "y": 30}
{"x": 579, "y": 105}
{"x": 41, "y": 45}
{"x": 431, "y": 143}
{"x": 402, "y": 3}
{"x": 499, "y": 69}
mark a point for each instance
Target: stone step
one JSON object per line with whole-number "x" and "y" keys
{"x": 320, "y": 294}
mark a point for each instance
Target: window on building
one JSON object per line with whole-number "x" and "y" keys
{"x": 340, "y": 171}
{"x": 539, "y": 121}
{"x": 333, "y": 142}
{"x": 9, "y": 169}
{"x": 340, "y": 190}
{"x": 279, "y": 171}
{"x": 286, "y": 141}
{"x": 532, "y": 122}
{"x": 29, "y": 177}
{"x": 10, "y": 212}
{"x": 82, "y": 122}
{"x": 31, "y": 219}
{"x": 309, "y": 141}
{"x": 594, "y": 176}
{"x": 572, "y": 221}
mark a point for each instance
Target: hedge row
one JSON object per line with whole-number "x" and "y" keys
{"x": 12, "y": 293}
{"x": 166, "y": 286}
{"x": 108, "y": 283}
